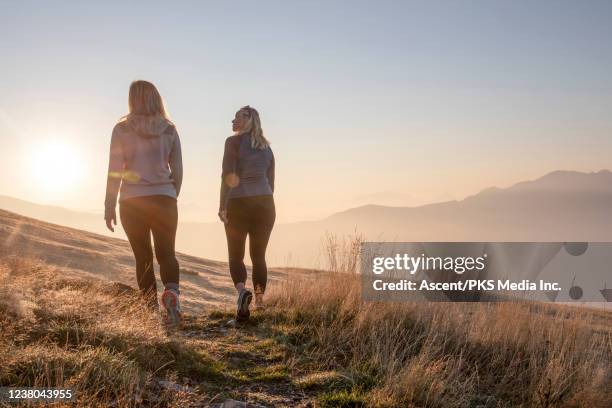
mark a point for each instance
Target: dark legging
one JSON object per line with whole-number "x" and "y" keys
{"x": 141, "y": 216}
{"x": 252, "y": 216}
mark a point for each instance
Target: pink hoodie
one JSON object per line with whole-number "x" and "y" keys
{"x": 145, "y": 159}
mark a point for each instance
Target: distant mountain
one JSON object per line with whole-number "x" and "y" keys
{"x": 568, "y": 181}
{"x": 560, "y": 206}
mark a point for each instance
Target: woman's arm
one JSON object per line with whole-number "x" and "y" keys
{"x": 176, "y": 161}
{"x": 113, "y": 181}
{"x": 271, "y": 172}
{"x": 229, "y": 178}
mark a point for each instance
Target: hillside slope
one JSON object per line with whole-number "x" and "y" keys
{"x": 64, "y": 324}
{"x": 79, "y": 253}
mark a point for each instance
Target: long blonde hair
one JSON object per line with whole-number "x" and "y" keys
{"x": 144, "y": 100}
{"x": 253, "y": 127}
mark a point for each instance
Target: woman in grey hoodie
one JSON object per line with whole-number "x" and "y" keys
{"x": 246, "y": 204}
{"x": 145, "y": 169}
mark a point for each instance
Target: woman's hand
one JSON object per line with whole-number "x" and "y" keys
{"x": 110, "y": 221}
{"x": 223, "y": 216}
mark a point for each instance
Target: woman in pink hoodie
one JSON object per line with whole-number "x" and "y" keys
{"x": 145, "y": 169}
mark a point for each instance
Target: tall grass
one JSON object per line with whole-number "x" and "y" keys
{"x": 99, "y": 339}
{"x": 446, "y": 354}
{"x": 342, "y": 252}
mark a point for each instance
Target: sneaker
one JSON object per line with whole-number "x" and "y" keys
{"x": 170, "y": 300}
{"x": 244, "y": 299}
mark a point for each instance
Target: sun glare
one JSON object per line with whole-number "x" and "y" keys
{"x": 56, "y": 167}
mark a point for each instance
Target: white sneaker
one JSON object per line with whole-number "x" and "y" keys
{"x": 244, "y": 299}
{"x": 170, "y": 301}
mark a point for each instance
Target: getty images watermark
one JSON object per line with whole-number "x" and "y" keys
{"x": 486, "y": 271}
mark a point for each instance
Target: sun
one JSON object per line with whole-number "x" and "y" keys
{"x": 56, "y": 167}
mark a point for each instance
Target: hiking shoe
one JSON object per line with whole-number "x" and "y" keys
{"x": 244, "y": 299}
{"x": 170, "y": 300}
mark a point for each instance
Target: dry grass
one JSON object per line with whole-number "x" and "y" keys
{"x": 342, "y": 252}
{"x": 316, "y": 342}
{"x": 444, "y": 354}
{"x": 97, "y": 338}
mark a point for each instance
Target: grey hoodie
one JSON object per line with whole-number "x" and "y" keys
{"x": 145, "y": 159}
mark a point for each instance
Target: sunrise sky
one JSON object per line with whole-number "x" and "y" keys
{"x": 397, "y": 103}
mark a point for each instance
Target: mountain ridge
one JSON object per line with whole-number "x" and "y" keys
{"x": 521, "y": 185}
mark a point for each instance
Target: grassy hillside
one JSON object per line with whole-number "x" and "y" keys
{"x": 86, "y": 254}
{"x": 97, "y": 338}
{"x": 315, "y": 344}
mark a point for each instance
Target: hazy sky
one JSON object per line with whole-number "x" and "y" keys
{"x": 398, "y": 103}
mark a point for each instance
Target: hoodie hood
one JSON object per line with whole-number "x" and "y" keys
{"x": 147, "y": 126}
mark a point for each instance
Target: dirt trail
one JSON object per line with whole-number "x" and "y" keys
{"x": 254, "y": 366}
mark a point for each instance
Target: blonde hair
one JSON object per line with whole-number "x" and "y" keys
{"x": 253, "y": 127}
{"x": 144, "y": 100}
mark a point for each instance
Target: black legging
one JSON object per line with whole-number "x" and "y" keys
{"x": 141, "y": 216}
{"x": 252, "y": 216}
